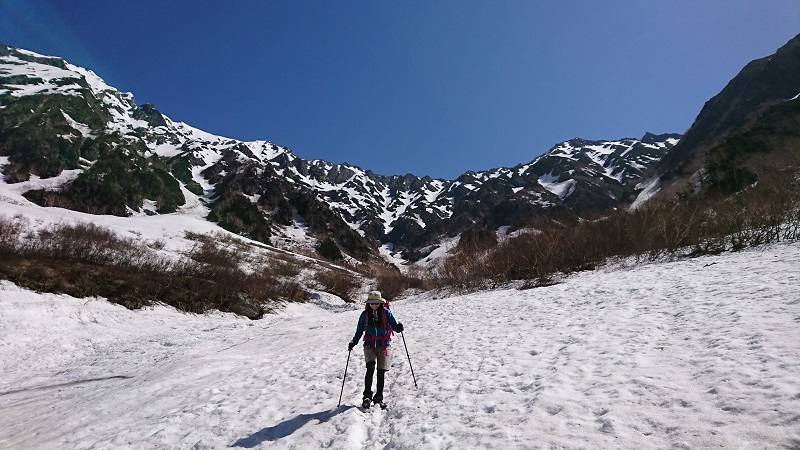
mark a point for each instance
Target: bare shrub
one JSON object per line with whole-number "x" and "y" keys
{"x": 392, "y": 282}
{"x": 210, "y": 260}
{"x": 462, "y": 271}
{"x": 85, "y": 259}
{"x": 84, "y": 242}
{"x": 339, "y": 282}
{"x": 11, "y": 233}
{"x": 158, "y": 244}
{"x": 791, "y": 225}
{"x": 283, "y": 266}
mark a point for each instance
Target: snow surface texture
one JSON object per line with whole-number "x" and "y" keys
{"x": 702, "y": 353}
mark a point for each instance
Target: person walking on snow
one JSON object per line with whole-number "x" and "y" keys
{"x": 377, "y": 324}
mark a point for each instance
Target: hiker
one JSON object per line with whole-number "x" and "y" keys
{"x": 377, "y": 324}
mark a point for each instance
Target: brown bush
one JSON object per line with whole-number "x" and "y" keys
{"x": 88, "y": 260}
{"x": 392, "y": 282}
{"x": 339, "y": 282}
{"x": 11, "y": 234}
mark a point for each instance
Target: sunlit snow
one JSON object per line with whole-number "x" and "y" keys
{"x": 702, "y": 353}
{"x": 560, "y": 188}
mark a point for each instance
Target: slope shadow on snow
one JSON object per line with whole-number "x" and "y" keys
{"x": 287, "y": 427}
{"x": 70, "y": 383}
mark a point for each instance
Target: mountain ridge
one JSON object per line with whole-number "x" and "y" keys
{"x": 134, "y": 159}
{"x": 744, "y": 133}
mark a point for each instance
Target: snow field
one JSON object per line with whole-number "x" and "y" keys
{"x": 701, "y": 353}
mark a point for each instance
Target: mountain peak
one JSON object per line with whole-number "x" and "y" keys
{"x": 650, "y": 138}
{"x": 260, "y": 189}
{"x": 150, "y": 114}
{"x": 736, "y": 128}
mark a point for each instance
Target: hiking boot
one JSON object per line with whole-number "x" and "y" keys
{"x": 378, "y": 400}
{"x": 365, "y": 403}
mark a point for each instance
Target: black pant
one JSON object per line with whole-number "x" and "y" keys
{"x": 378, "y": 397}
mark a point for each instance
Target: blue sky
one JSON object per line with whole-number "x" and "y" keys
{"x": 415, "y": 86}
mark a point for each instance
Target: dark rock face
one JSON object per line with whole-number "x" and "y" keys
{"x": 150, "y": 114}
{"x": 742, "y": 132}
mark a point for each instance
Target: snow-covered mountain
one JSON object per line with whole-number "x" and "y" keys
{"x": 691, "y": 353}
{"x": 127, "y": 159}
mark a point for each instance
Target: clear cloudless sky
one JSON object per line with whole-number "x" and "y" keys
{"x": 429, "y": 87}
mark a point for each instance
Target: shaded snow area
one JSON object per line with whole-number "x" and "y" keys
{"x": 701, "y": 353}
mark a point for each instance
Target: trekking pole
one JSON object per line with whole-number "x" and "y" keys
{"x": 409, "y": 359}
{"x": 344, "y": 377}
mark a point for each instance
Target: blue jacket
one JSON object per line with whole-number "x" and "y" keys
{"x": 374, "y": 331}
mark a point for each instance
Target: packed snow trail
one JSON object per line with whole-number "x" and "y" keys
{"x": 693, "y": 354}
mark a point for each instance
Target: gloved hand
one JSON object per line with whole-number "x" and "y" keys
{"x": 399, "y": 327}
{"x": 350, "y": 345}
